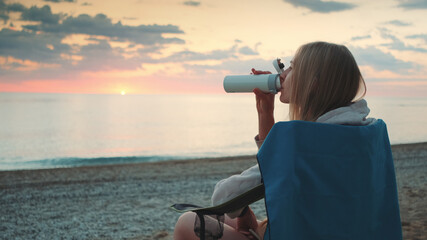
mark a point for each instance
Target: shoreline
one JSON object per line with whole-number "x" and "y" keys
{"x": 131, "y": 200}
{"x": 166, "y": 161}
{"x": 173, "y": 160}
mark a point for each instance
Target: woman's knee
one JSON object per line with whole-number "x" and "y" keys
{"x": 184, "y": 227}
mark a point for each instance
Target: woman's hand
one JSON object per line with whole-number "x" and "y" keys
{"x": 247, "y": 222}
{"x": 264, "y": 103}
{"x": 265, "y": 108}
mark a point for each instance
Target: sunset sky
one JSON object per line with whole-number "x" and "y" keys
{"x": 168, "y": 46}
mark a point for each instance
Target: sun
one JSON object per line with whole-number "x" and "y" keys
{"x": 123, "y": 92}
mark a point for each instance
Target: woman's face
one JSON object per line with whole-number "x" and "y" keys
{"x": 285, "y": 80}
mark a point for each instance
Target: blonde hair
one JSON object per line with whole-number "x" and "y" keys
{"x": 325, "y": 76}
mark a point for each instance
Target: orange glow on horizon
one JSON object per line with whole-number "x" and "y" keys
{"x": 123, "y": 86}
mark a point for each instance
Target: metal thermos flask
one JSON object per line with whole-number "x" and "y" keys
{"x": 268, "y": 83}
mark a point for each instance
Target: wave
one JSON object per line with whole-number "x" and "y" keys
{"x": 78, "y": 162}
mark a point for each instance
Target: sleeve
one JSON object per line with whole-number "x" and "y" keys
{"x": 258, "y": 142}
{"x": 235, "y": 185}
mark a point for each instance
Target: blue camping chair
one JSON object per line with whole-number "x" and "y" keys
{"x": 325, "y": 181}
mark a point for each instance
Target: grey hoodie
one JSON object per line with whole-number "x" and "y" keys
{"x": 226, "y": 189}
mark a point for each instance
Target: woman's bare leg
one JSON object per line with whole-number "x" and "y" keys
{"x": 184, "y": 228}
{"x": 232, "y": 222}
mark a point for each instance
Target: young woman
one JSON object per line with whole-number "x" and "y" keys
{"x": 322, "y": 84}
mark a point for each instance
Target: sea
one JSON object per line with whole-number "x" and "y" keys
{"x": 39, "y": 130}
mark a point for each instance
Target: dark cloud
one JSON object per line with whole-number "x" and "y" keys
{"x": 43, "y": 14}
{"x": 4, "y": 16}
{"x": 360, "y": 37}
{"x": 3, "y": 6}
{"x": 418, "y": 36}
{"x": 31, "y": 46}
{"x": 16, "y": 7}
{"x": 5, "y": 9}
{"x": 321, "y": 6}
{"x": 101, "y": 56}
{"x": 192, "y": 3}
{"x": 379, "y": 60}
{"x": 398, "y": 23}
{"x": 97, "y": 56}
{"x": 42, "y": 42}
{"x": 101, "y": 25}
{"x": 412, "y": 4}
{"x": 58, "y": 1}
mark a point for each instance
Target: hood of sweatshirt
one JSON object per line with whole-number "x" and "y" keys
{"x": 354, "y": 114}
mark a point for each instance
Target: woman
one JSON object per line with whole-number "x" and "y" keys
{"x": 321, "y": 85}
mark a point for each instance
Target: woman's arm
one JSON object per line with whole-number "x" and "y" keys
{"x": 235, "y": 185}
{"x": 265, "y": 108}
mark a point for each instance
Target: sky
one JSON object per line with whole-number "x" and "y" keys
{"x": 182, "y": 47}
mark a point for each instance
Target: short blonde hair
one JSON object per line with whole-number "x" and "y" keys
{"x": 325, "y": 76}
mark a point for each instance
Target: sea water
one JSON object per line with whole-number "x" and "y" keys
{"x": 66, "y": 130}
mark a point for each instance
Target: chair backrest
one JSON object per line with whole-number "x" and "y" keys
{"x": 325, "y": 181}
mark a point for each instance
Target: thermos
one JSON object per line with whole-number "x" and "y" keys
{"x": 268, "y": 83}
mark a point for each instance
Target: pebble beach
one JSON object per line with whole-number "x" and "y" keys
{"x": 131, "y": 201}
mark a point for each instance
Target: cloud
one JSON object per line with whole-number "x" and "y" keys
{"x": 356, "y": 38}
{"x": 41, "y": 44}
{"x": 412, "y": 4}
{"x": 398, "y": 23}
{"x": 379, "y": 60}
{"x": 3, "y": 13}
{"x": 130, "y": 18}
{"x": 31, "y": 46}
{"x": 16, "y": 7}
{"x": 101, "y": 56}
{"x": 93, "y": 57}
{"x": 397, "y": 44}
{"x": 418, "y": 36}
{"x": 247, "y": 51}
{"x": 220, "y": 54}
{"x": 43, "y": 14}
{"x": 321, "y": 6}
{"x": 58, "y": 1}
{"x": 235, "y": 66}
{"x": 188, "y": 55}
{"x": 101, "y": 25}
{"x": 5, "y": 9}
{"x": 192, "y": 3}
